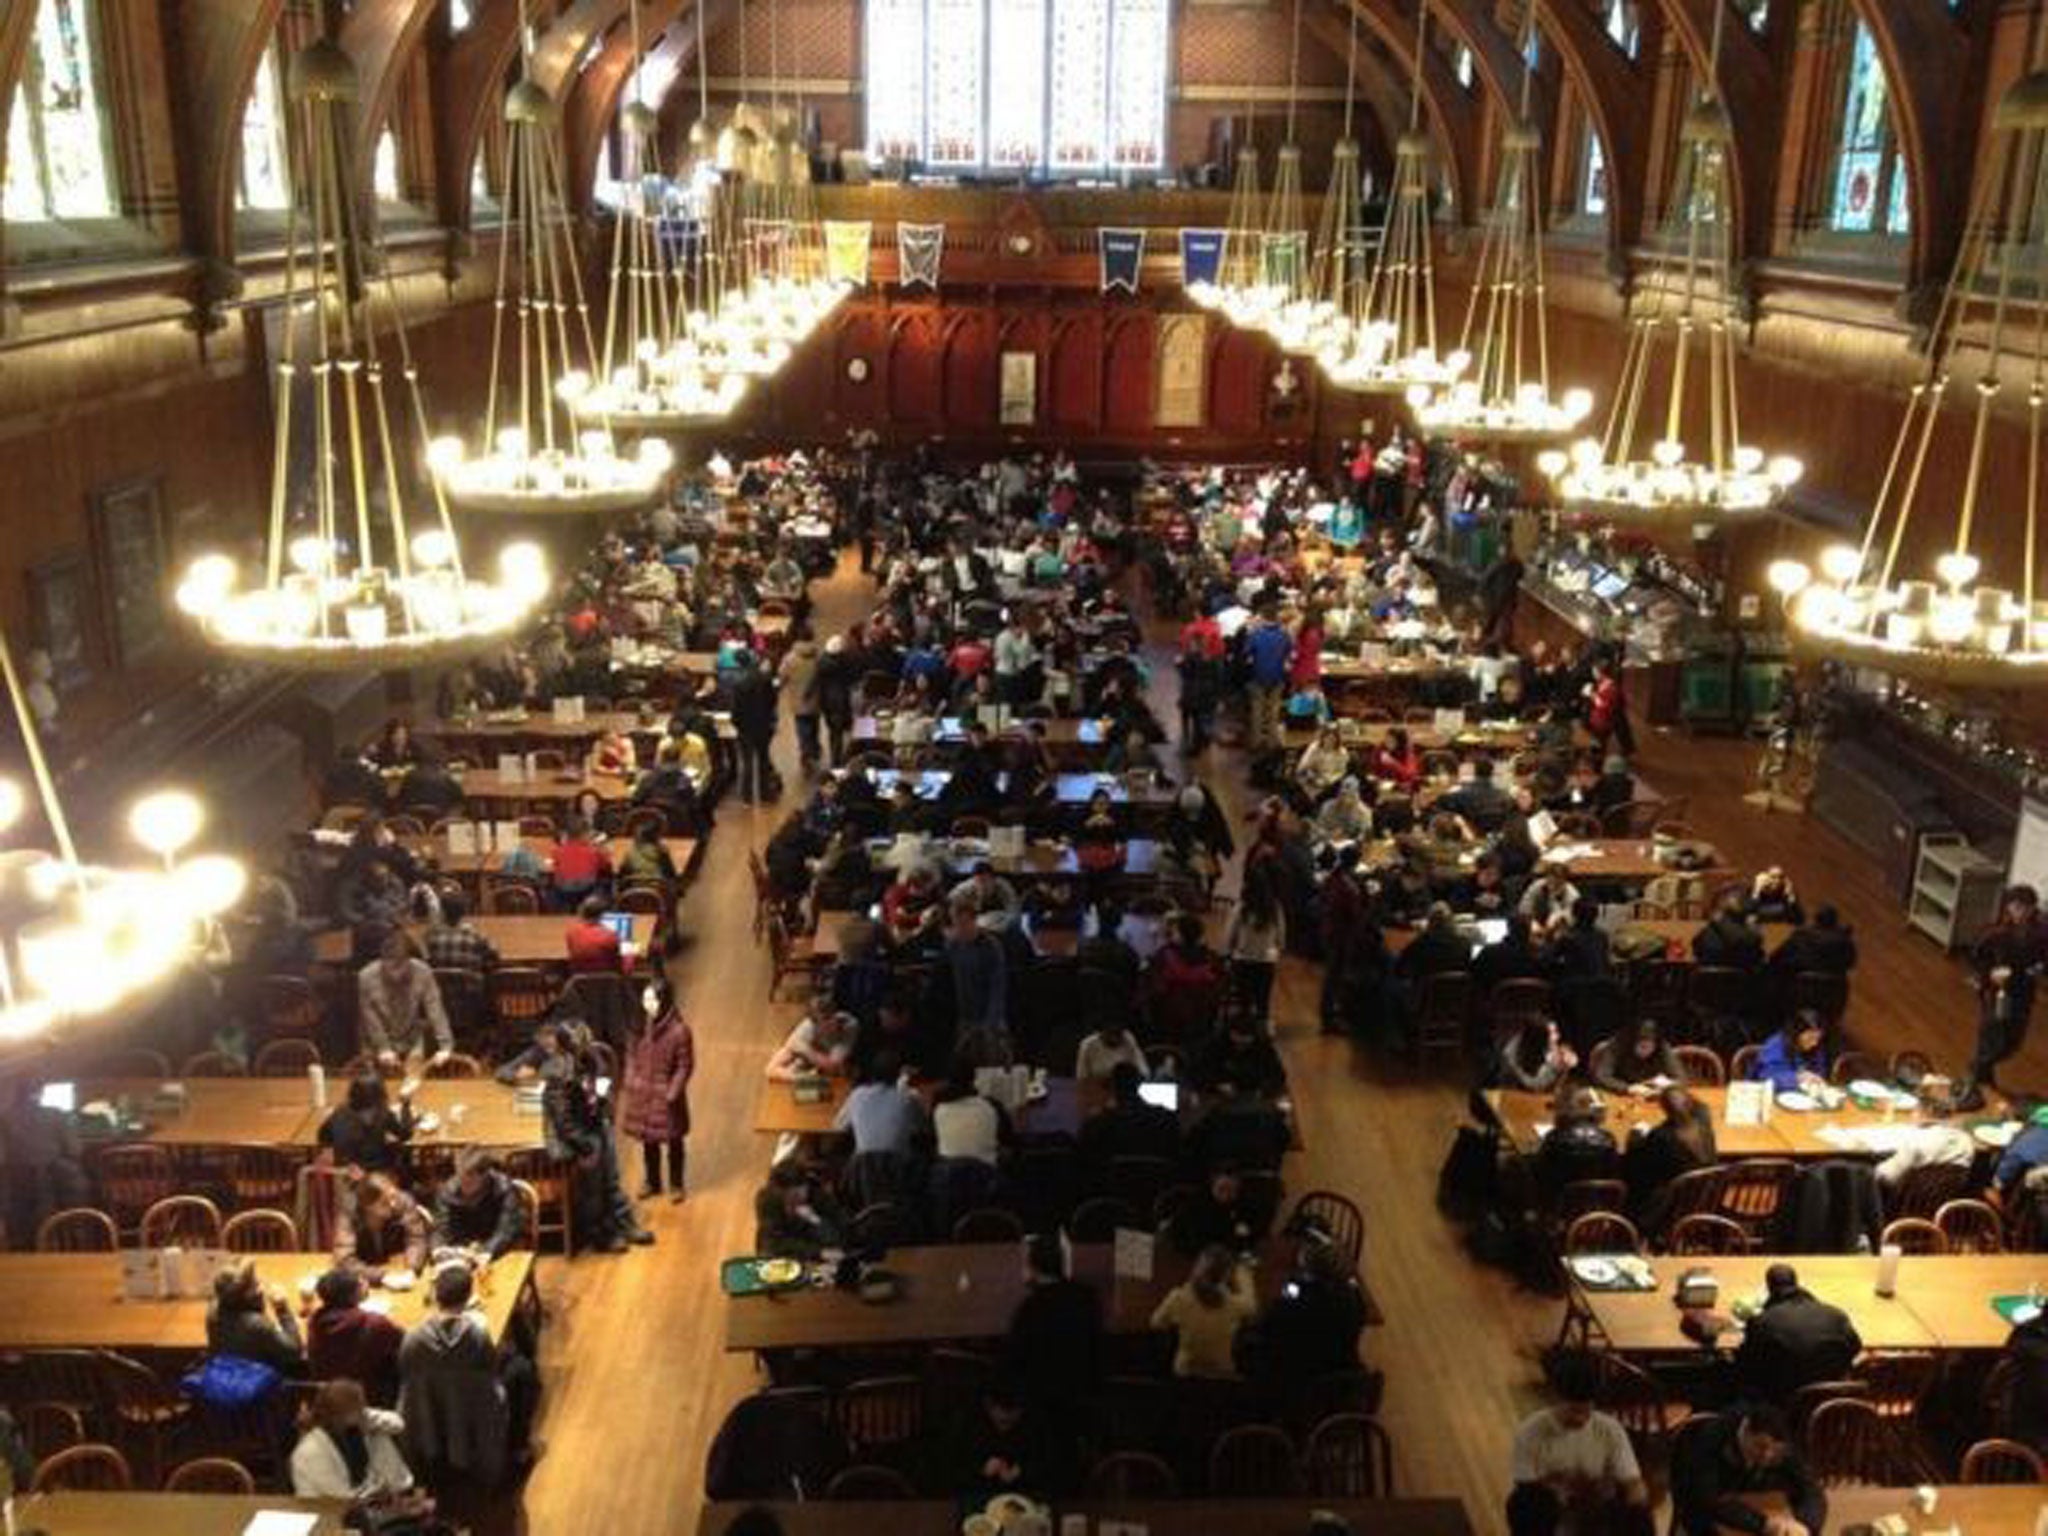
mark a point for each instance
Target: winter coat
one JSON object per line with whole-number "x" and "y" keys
{"x": 654, "y": 1103}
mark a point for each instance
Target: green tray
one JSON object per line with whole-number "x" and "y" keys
{"x": 2009, "y": 1307}
{"x": 742, "y": 1277}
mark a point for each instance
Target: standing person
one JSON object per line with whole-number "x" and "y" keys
{"x": 2008, "y": 961}
{"x": 1268, "y": 650}
{"x": 838, "y": 676}
{"x": 753, "y": 720}
{"x": 654, "y": 1105}
{"x": 1201, "y": 664}
{"x": 1257, "y": 938}
{"x": 800, "y": 681}
{"x": 1016, "y": 662}
{"x": 1607, "y": 709}
{"x": 1500, "y": 587}
{"x": 399, "y": 1006}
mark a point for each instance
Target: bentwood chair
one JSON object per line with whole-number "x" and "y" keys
{"x": 85, "y": 1469}
{"x": 2002, "y": 1461}
{"x": 1849, "y": 1442}
{"x": 79, "y": 1230}
{"x": 1253, "y": 1461}
{"x": 211, "y": 1474}
{"x": 1349, "y": 1456}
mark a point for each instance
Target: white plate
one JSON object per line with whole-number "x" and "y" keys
{"x": 1797, "y": 1101}
{"x": 1596, "y": 1271}
{"x": 2026, "y": 1312}
{"x": 399, "y": 1279}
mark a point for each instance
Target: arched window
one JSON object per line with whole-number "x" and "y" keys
{"x": 58, "y": 166}
{"x": 1076, "y": 86}
{"x": 459, "y": 15}
{"x": 1624, "y": 25}
{"x": 263, "y": 180}
{"x": 384, "y": 177}
{"x": 1869, "y": 185}
{"x": 1593, "y": 175}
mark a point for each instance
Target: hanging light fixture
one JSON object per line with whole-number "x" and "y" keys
{"x": 79, "y": 940}
{"x": 1314, "y": 320}
{"x": 1611, "y": 474}
{"x": 1237, "y": 267}
{"x": 1390, "y": 344}
{"x": 363, "y": 589}
{"x": 652, "y": 381}
{"x": 1282, "y": 269}
{"x": 534, "y": 458}
{"x": 1955, "y": 629}
{"x": 1508, "y": 398}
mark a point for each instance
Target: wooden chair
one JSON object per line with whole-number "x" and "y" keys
{"x": 521, "y": 996}
{"x": 1635, "y": 1397}
{"x": 1702, "y": 1235}
{"x": 1911, "y": 1066}
{"x": 549, "y": 1181}
{"x": 954, "y": 1382}
{"x": 317, "y": 1196}
{"x": 1253, "y": 1461}
{"x": 212, "y": 1064}
{"x": 260, "y": 1232}
{"x": 1849, "y": 1442}
{"x": 1124, "y": 1477}
{"x": 1337, "y": 1215}
{"x": 1914, "y": 1234}
{"x": 1743, "y": 1062}
{"x": 211, "y": 1474}
{"x": 1752, "y": 1189}
{"x": 791, "y": 957}
{"x": 78, "y": 1230}
{"x": 181, "y": 1221}
{"x": 1097, "y": 1220}
{"x": 1519, "y": 997}
{"x": 1925, "y": 1190}
{"x": 650, "y": 901}
{"x": 1601, "y": 1232}
{"x": 287, "y": 1007}
{"x": 869, "y": 1485}
{"x": 284, "y": 1058}
{"x": 47, "y": 1428}
{"x": 85, "y": 1469}
{"x": 1585, "y": 1196}
{"x": 465, "y": 999}
{"x": 1896, "y": 1381}
{"x": 1349, "y": 1456}
{"x": 881, "y": 1413}
{"x": 132, "y": 1177}
{"x": 136, "y": 1061}
{"x": 147, "y": 1411}
{"x": 1857, "y": 1066}
{"x": 506, "y": 897}
{"x": 262, "y": 1177}
{"x": 1701, "y": 1064}
{"x": 457, "y": 1066}
{"x": 1799, "y": 1409}
{"x": 1444, "y": 1016}
{"x": 532, "y": 824}
{"x": 2002, "y": 1461}
{"x": 988, "y": 1224}
{"x": 529, "y": 1205}
{"x": 1971, "y": 1226}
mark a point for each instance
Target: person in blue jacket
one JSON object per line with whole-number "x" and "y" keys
{"x": 1795, "y": 1057}
{"x": 2027, "y": 1151}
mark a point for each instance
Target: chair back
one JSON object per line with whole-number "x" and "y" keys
{"x": 287, "y": 1007}
{"x": 529, "y": 1204}
{"x": 85, "y": 1469}
{"x": 182, "y": 1221}
{"x": 1583, "y": 1196}
{"x": 1971, "y": 1226}
{"x": 212, "y": 1064}
{"x": 318, "y": 1193}
{"x": 1913, "y": 1234}
{"x": 1926, "y": 1189}
{"x": 211, "y": 1474}
{"x": 1848, "y": 1442}
{"x": 1752, "y": 1190}
{"x": 1896, "y": 1381}
{"x": 1097, "y": 1220}
{"x": 508, "y": 897}
{"x": 260, "y": 1232}
{"x": 1855, "y": 1067}
{"x": 548, "y": 1181}
{"x": 456, "y": 1065}
{"x": 47, "y": 1428}
{"x": 1349, "y": 1456}
{"x": 284, "y": 1058}
{"x": 78, "y": 1230}
{"x": 1124, "y": 1477}
{"x": 1444, "y": 1014}
{"x": 988, "y": 1224}
{"x": 1702, "y": 1065}
{"x": 261, "y": 1176}
{"x": 1519, "y": 997}
{"x": 652, "y": 901}
{"x": 1335, "y": 1214}
{"x": 2002, "y": 1461}
{"x": 869, "y": 1485}
{"x": 1743, "y": 1062}
{"x": 1705, "y": 1235}
{"x": 131, "y": 1178}
{"x": 135, "y": 1061}
{"x": 954, "y": 1382}
{"x": 882, "y": 1413}
{"x": 1601, "y": 1232}
{"x": 1253, "y": 1461}
{"x": 1634, "y": 1397}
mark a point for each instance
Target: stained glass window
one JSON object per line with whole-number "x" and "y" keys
{"x": 1870, "y": 183}
{"x": 1623, "y": 25}
{"x": 458, "y": 15}
{"x": 479, "y": 178}
{"x": 895, "y": 94}
{"x": 263, "y": 180}
{"x": 57, "y": 162}
{"x": 1016, "y": 82}
{"x": 1461, "y": 66}
{"x": 1080, "y": 83}
{"x": 1137, "y": 139}
{"x": 384, "y": 170}
{"x": 953, "y": 80}
{"x": 1593, "y": 190}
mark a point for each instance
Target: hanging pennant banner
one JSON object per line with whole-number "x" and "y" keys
{"x": 1122, "y": 252}
{"x": 846, "y": 250}
{"x": 1201, "y": 256}
{"x": 918, "y": 249}
{"x": 1280, "y": 258}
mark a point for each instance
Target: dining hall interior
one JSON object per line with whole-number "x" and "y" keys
{"x": 1197, "y": 767}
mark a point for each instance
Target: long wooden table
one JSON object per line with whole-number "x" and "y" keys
{"x": 548, "y": 788}
{"x": 474, "y": 868}
{"x": 279, "y": 1112}
{"x": 1994, "y": 1510}
{"x": 1800, "y": 1134}
{"x": 1942, "y": 1301}
{"x": 74, "y": 1301}
{"x": 165, "y": 1514}
{"x": 1179, "y": 1517}
{"x": 518, "y": 940}
{"x": 962, "y": 1291}
{"x": 1677, "y": 934}
{"x": 1078, "y": 744}
{"x": 1041, "y": 859}
{"x": 1048, "y": 943}
{"x": 1071, "y": 790}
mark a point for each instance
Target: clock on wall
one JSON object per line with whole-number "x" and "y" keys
{"x": 857, "y": 369}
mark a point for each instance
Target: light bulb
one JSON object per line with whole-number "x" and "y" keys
{"x": 434, "y": 548}
{"x": 11, "y": 803}
{"x": 1958, "y": 567}
{"x": 166, "y": 821}
{"x": 208, "y": 581}
{"x": 1788, "y": 578}
{"x": 444, "y": 454}
{"x": 309, "y": 553}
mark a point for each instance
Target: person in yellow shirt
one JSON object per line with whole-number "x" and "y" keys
{"x": 1205, "y": 1311}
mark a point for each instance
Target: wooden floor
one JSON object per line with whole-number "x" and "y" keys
{"x": 636, "y": 1383}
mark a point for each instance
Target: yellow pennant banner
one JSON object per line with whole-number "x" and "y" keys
{"x": 846, "y": 250}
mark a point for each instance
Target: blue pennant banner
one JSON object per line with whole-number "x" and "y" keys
{"x": 1201, "y": 256}
{"x": 1122, "y": 252}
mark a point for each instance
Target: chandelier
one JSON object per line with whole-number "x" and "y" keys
{"x": 81, "y": 940}
{"x": 1509, "y": 399}
{"x": 362, "y": 589}
{"x": 653, "y": 378}
{"x": 1238, "y": 264}
{"x": 530, "y": 460}
{"x": 1954, "y": 629}
{"x": 1610, "y": 474}
{"x": 1390, "y": 344}
{"x": 1314, "y": 319}
{"x": 1282, "y": 263}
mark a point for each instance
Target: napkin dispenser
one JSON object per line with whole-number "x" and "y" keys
{"x": 1697, "y": 1288}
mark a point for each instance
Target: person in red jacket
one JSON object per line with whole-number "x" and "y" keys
{"x": 581, "y": 865}
{"x": 593, "y": 945}
{"x": 345, "y": 1338}
{"x": 1607, "y": 710}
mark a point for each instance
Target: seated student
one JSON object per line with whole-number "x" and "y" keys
{"x": 466, "y": 1403}
{"x": 1534, "y": 1058}
{"x": 1512, "y": 958}
{"x": 964, "y": 1122}
{"x": 1772, "y": 900}
{"x": 398, "y": 1005}
{"x": 1794, "y": 1058}
{"x": 382, "y": 1229}
{"x": 1487, "y": 891}
{"x": 1323, "y": 763}
{"x": 582, "y": 866}
{"x": 344, "y": 1338}
{"x": 1219, "y": 1213}
{"x": 647, "y": 858}
{"x": 1729, "y": 940}
{"x": 592, "y": 944}
{"x": 1481, "y": 803}
{"x": 1682, "y": 1141}
{"x": 255, "y": 1324}
{"x": 1344, "y": 819}
{"x": 1184, "y": 982}
{"x": 795, "y": 1217}
{"x": 1825, "y": 945}
{"x": 1241, "y": 1059}
{"x": 1635, "y": 1055}
{"x": 820, "y": 1045}
{"x": 1312, "y": 1325}
{"x": 882, "y": 1114}
{"x": 1551, "y": 898}
{"x": 1794, "y": 1340}
{"x": 1570, "y": 1462}
{"x": 1100, "y": 1053}
{"x": 1397, "y": 761}
{"x": 350, "y": 1451}
{"x": 1931, "y": 1141}
{"x": 364, "y": 1131}
{"x": 429, "y": 789}
{"x": 1720, "y": 1457}
{"x": 1128, "y": 1126}
{"x": 478, "y": 1209}
{"x": 1581, "y": 952}
{"x": 1205, "y": 1311}
{"x": 1052, "y": 1352}
{"x": 1578, "y": 1147}
{"x": 2026, "y": 1152}
{"x": 2026, "y": 1353}
{"x": 1011, "y": 1446}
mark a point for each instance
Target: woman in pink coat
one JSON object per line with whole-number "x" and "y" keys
{"x": 654, "y": 1104}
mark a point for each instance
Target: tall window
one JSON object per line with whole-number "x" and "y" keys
{"x": 1593, "y": 188}
{"x": 459, "y": 15}
{"x": 384, "y": 179}
{"x": 1461, "y": 65}
{"x": 263, "y": 180}
{"x": 57, "y": 161}
{"x": 1624, "y": 25}
{"x": 1870, "y": 181}
{"x": 1073, "y": 86}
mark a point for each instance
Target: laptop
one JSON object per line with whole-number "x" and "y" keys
{"x": 621, "y": 924}
{"x": 1161, "y": 1095}
{"x": 62, "y": 1097}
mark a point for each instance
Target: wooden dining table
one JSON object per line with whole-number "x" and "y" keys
{"x": 2009, "y": 1509}
{"x": 74, "y": 1301}
{"x": 1803, "y": 1135}
{"x": 1677, "y": 934}
{"x": 536, "y": 940}
{"x": 1175, "y": 1517}
{"x": 1075, "y": 744}
{"x": 833, "y": 925}
{"x": 1941, "y": 1301}
{"x": 279, "y": 1112}
{"x": 166, "y": 1514}
{"x": 966, "y": 1291}
{"x": 474, "y": 867}
{"x": 550, "y": 788}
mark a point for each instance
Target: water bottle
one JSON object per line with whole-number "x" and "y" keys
{"x": 316, "y": 1082}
